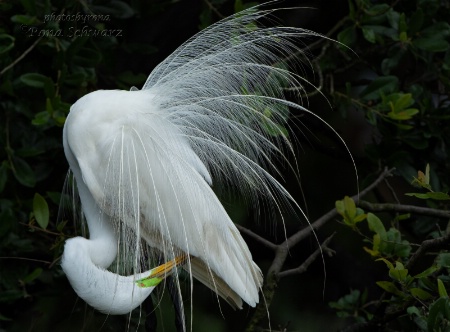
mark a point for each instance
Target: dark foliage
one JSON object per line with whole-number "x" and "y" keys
{"x": 388, "y": 77}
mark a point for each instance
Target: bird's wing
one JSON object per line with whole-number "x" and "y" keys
{"x": 143, "y": 173}
{"x": 206, "y": 276}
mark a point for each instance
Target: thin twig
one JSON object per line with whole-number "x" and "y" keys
{"x": 392, "y": 191}
{"x": 300, "y": 235}
{"x": 15, "y": 62}
{"x": 374, "y": 207}
{"x": 256, "y": 237}
{"x": 40, "y": 229}
{"x": 28, "y": 259}
{"x": 304, "y": 266}
{"x": 214, "y": 9}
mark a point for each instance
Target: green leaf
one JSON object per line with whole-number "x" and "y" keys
{"x": 403, "y": 115}
{"x": 41, "y": 118}
{"x": 437, "y": 310}
{"x": 347, "y": 36}
{"x": 431, "y": 44}
{"x": 427, "y": 272}
{"x": 431, "y": 195}
{"x": 403, "y": 101}
{"x": 369, "y": 34}
{"x": 443, "y": 260}
{"x": 340, "y": 208}
{"x": 23, "y": 172}
{"x": 420, "y": 294}
{"x": 390, "y": 287}
{"x": 388, "y": 264}
{"x": 399, "y": 273}
{"x": 32, "y": 276}
{"x": 24, "y": 19}
{"x": 6, "y": 42}
{"x": 438, "y": 196}
{"x": 403, "y": 36}
{"x": 359, "y": 217}
{"x": 402, "y": 25}
{"x": 376, "y": 225}
{"x": 418, "y": 195}
{"x": 379, "y": 86}
{"x": 352, "y": 11}
{"x": 34, "y": 80}
{"x": 393, "y": 18}
{"x": 441, "y": 289}
{"x": 413, "y": 311}
{"x": 374, "y": 253}
{"x": 350, "y": 207}
{"x": 40, "y": 210}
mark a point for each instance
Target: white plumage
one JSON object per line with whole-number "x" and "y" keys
{"x": 144, "y": 161}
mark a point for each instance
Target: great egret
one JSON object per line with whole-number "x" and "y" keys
{"x": 144, "y": 162}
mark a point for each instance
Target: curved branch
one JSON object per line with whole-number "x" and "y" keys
{"x": 304, "y": 266}
{"x": 300, "y": 235}
{"x": 282, "y": 251}
{"x": 438, "y": 243}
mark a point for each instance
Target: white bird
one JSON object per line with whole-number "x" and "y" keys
{"x": 144, "y": 162}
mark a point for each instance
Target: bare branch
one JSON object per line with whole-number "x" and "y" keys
{"x": 256, "y": 237}
{"x": 214, "y": 9}
{"x": 438, "y": 243}
{"x": 40, "y": 229}
{"x": 304, "y": 266}
{"x": 404, "y": 208}
{"x": 282, "y": 251}
{"x": 392, "y": 191}
{"x": 15, "y": 62}
{"x": 305, "y": 232}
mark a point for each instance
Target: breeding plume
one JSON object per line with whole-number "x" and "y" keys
{"x": 145, "y": 162}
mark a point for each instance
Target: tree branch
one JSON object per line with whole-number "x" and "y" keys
{"x": 257, "y": 237}
{"x": 304, "y": 266}
{"x": 438, "y": 243}
{"x": 15, "y": 62}
{"x": 282, "y": 251}
{"x": 300, "y": 235}
{"x": 404, "y": 208}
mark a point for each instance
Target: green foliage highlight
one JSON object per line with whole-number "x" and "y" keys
{"x": 347, "y": 209}
{"x": 423, "y": 181}
{"x": 40, "y": 210}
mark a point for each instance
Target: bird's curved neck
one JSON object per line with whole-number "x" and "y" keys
{"x": 101, "y": 231}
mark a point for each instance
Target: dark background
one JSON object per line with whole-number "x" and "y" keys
{"x": 34, "y": 293}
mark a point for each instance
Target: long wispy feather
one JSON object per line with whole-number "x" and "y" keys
{"x": 144, "y": 160}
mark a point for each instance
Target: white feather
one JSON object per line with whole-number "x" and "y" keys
{"x": 145, "y": 160}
